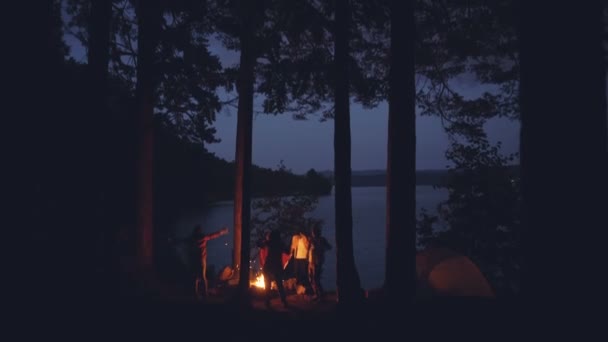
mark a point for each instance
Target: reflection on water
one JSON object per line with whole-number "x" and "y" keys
{"x": 369, "y": 210}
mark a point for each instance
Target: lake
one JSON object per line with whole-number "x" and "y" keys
{"x": 369, "y": 219}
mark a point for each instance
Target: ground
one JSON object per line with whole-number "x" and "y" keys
{"x": 225, "y": 319}
{"x": 298, "y": 305}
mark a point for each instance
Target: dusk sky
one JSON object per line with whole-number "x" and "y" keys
{"x": 309, "y": 144}
{"x": 303, "y": 145}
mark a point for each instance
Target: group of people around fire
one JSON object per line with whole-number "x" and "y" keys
{"x": 306, "y": 251}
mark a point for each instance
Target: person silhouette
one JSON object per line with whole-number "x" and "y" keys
{"x": 273, "y": 265}
{"x": 198, "y": 255}
{"x": 318, "y": 246}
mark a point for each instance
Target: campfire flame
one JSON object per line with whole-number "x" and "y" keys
{"x": 259, "y": 282}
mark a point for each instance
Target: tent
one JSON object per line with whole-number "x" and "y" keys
{"x": 443, "y": 272}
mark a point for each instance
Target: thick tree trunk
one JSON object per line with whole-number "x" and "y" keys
{"x": 100, "y": 128}
{"x": 35, "y": 174}
{"x": 242, "y": 188}
{"x": 563, "y": 150}
{"x": 149, "y": 20}
{"x": 348, "y": 283}
{"x": 400, "y": 277}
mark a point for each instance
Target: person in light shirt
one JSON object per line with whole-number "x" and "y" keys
{"x": 300, "y": 246}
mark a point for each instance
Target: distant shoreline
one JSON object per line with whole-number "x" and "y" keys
{"x": 370, "y": 178}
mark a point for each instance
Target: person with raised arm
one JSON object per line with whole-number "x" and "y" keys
{"x": 198, "y": 256}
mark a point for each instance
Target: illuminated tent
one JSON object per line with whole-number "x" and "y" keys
{"x": 443, "y": 272}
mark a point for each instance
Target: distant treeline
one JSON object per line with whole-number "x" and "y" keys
{"x": 185, "y": 175}
{"x": 186, "y": 170}
{"x": 423, "y": 177}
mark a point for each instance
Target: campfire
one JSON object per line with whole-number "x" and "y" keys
{"x": 258, "y": 282}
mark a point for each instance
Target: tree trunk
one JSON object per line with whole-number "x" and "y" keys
{"x": 35, "y": 159}
{"x": 563, "y": 150}
{"x": 348, "y": 283}
{"x": 400, "y": 277}
{"x": 149, "y": 20}
{"x": 100, "y": 127}
{"x": 242, "y": 187}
